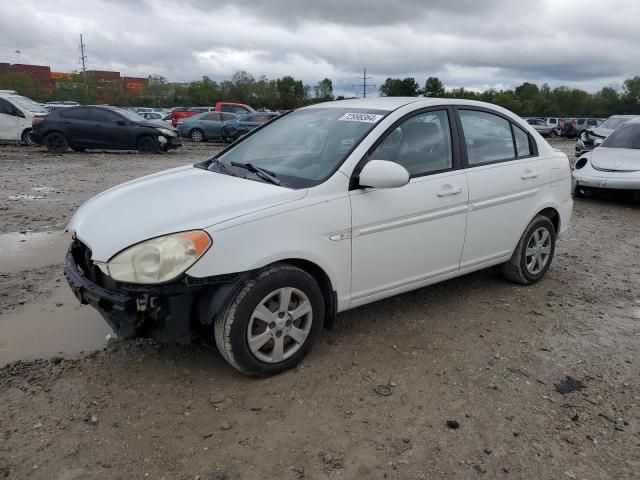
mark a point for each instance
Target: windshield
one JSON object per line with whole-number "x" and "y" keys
{"x": 28, "y": 104}
{"x": 128, "y": 114}
{"x": 613, "y": 123}
{"x": 304, "y": 147}
{"x": 627, "y": 136}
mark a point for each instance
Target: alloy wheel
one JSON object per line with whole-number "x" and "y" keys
{"x": 279, "y": 325}
{"x": 538, "y": 250}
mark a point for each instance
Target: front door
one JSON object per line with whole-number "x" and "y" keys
{"x": 402, "y": 236}
{"x": 9, "y": 121}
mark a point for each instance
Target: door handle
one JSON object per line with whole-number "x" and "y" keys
{"x": 450, "y": 191}
{"x": 529, "y": 174}
{"x": 66, "y": 122}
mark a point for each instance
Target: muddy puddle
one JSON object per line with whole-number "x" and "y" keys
{"x": 54, "y": 324}
{"x": 25, "y": 251}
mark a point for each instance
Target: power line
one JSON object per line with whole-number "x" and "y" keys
{"x": 364, "y": 85}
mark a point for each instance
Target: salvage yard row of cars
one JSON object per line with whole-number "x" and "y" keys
{"x": 65, "y": 125}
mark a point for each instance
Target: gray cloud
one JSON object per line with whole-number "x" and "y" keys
{"x": 583, "y": 43}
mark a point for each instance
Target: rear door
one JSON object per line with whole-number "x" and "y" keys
{"x": 78, "y": 127}
{"x": 10, "y": 121}
{"x": 404, "y": 236}
{"x": 212, "y": 124}
{"x": 506, "y": 179}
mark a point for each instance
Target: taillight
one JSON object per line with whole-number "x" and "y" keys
{"x": 36, "y": 121}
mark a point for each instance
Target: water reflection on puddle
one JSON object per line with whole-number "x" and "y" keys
{"x": 31, "y": 250}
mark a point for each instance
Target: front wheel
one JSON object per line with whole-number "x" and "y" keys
{"x": 534, "y": 253}
{"x": 27, "y": 138}
{"x": 271, "y": 322}
{"x": 147, "y": 144}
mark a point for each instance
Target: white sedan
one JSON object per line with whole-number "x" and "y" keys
{"x": 320, "y": 210}
{"x": 615, "y": 164}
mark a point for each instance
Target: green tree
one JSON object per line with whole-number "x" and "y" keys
{"x": 433, "y": 87}
{"x": 290, "y": 92}
{"x": 324, "y": 90}
{"x": 157, "y": 90}
{"x": 400, "y": 87}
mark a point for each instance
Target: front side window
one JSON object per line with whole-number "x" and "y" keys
{"x": 421, "y": 144}
{"x": 487, "y": 137}
{"x": 627, "y": 136}
{"x": 592, "y": 123}
{"x": 7, "y": 108}
{"x": 104, "y": 116}
{"x": 304, "y": 147}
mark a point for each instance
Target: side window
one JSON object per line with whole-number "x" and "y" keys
{"x": 104, "y": 116}
{"x": 7, "y": 108}
{"x": 214, "y": 117}
{"x": 523, "y": 143}
{"x": 580, "y": 121}
{"x": 227, "y": 117}
{"x": 76, "y": 113}
{"x": 421, "y": 144}
{"x": 592, "y": 123}
{"x": 487, "y": 137}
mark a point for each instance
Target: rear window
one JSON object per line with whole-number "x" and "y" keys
{"x": 627, "y": 136}
{"x": 76, "y": 113}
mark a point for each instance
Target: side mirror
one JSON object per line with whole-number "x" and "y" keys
{"x": 383, "y": 174}
{"x": 122, "y": 123}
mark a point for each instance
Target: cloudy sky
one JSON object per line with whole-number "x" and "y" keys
{"x": 470, "y": 43}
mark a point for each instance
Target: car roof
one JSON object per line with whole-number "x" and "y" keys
{"x": 393, "y": 103}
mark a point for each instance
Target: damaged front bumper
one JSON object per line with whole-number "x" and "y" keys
{"x": 169, "y": 312}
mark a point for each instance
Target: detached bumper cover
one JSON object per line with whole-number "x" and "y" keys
{"x": 117, "y": 308}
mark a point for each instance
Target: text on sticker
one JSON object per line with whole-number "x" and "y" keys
{"x": 360, "y": 117}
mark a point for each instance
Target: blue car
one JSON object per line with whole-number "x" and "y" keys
{"x": 247, "y": 123}
{"x": 207, "y": 126}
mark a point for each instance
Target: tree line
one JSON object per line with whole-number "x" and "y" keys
{"x": 288, "y": 92}
{"x": 530, "y": 99}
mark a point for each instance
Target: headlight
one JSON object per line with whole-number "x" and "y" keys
{"x": 160, "y": 259}
{"x": 166, "y": 132}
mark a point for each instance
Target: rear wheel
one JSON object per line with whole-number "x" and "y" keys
{"x": 553, "y": 134}
{"x": 534, "y": 253}
{"x": 27, "y": 138}
{"x": 197, "y": 135}
{"x": 56, "y": 142}
{"x": 271, "y": 322}
{"x": 147, "y": 144}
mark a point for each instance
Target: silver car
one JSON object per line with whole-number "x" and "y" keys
{"x": 542, "y": 127}
{"x": 615, "y": 164}
{"x": 591, "y": 138}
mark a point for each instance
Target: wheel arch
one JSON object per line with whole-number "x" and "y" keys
{"x": 552, "y": 214}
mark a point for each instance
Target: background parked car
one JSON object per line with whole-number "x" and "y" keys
{"x": 151, "y": 115}
{"x": 232, "y": 107}
{"x": 246, "y": 123}
{"x": 542, "y": 127}
{"x": 206, "y": 126}
{"x": 592, "y": 137}
{"x": 16, "y": 116}
{"x": 573, "y": 127}
{"x": 51, "y": 106}
{"x": 102, "y": 127}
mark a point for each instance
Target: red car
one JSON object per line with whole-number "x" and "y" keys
{"x": 237, "y": 108}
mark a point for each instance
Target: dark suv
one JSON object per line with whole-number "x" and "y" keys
{"x": 102, "y": 127}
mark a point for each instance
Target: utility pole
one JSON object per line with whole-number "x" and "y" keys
{"x": 18, "y": 52}
{"x": 83, "y": 59}
{"x": 364, "y": 85}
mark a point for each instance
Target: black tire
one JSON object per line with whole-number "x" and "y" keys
{"x": 27, "y": 139}
{"x": 147, "y": 144}
{"x": 232, "y": 323}
{"x": 553, "y": 134}
{"x": 56, "y": 142}
{"x": 517, "y": 269}
{"x": 197, "y": 135}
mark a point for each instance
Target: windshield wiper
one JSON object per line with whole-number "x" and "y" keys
{"x": 259, "y": 171}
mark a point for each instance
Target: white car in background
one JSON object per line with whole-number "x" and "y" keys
{"x": 320, "y": 210}
{"x": 614, "y": 164}
{"x": 16, "y": 117}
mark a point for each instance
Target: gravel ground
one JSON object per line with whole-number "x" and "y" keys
{"x": 475, "y": 353}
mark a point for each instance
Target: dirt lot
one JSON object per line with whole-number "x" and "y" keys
{"x": 475, "y": 350}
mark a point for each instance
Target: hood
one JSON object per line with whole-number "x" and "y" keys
{"x": 176, "y": 200}
{"x": 601, "y": 132}
{"x": 616, "y": 159}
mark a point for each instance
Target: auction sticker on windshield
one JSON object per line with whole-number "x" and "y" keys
{"x": 360, "y": 117}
